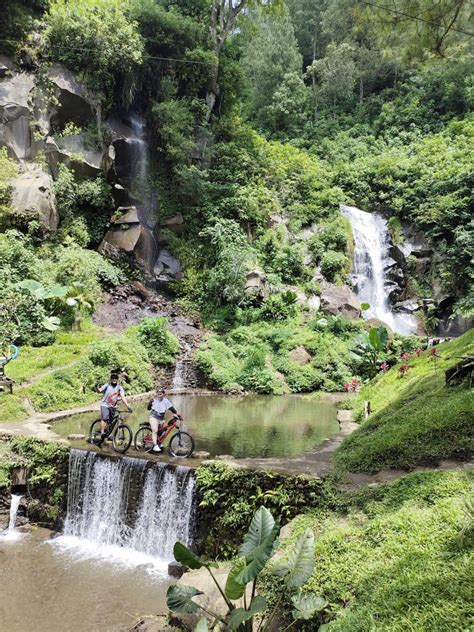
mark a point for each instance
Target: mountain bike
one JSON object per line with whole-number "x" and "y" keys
{"x": 181, "y": 443}
{"x": 120, "y": 432}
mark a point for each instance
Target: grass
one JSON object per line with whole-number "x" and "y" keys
{"x": 68, "y": 347}
{"x": 396, "y": 562}
{"x": 417, "y": 419}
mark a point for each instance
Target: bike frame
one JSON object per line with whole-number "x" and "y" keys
{"x": 162, "y": 437}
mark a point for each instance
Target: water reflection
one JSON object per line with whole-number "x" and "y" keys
{"x": 252, "y": 426}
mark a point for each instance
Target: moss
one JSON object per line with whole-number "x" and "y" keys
{"x": 417, "y": 418}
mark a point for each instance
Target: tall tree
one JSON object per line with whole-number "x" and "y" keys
{"x": 224, "y": 14}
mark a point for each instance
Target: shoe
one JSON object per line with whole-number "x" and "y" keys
{"x": 156, "y": 448}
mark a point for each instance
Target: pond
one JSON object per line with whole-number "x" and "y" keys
{"x": 46, "y": 588}
{"x": 251, "y": 426}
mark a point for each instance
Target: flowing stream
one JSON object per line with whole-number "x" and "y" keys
{"x": 11, "y": 533}
{"x": 370, "y": 264}
{"x": 128, "y": 510}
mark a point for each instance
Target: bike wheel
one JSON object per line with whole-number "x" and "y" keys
{"x": 94, "y": 432}
{"x": 143, "y": 440}
{"x": 181, "y": 444}
{"x": 122, "y": 438}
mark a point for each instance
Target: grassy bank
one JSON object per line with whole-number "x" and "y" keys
{"x": 395, "y": 561}
{"x": 417, "y": 418}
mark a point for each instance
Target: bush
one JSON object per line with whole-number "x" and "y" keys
{"x": 110, "y": 46}
{"x": 333, "y": 264}
{"x": 161, "y": 344}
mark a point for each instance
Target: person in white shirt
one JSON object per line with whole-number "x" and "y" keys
{"x": 158, "y": 407}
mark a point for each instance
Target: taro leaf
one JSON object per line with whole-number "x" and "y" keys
{"x": 261, "y": 527}
{"x": 297, "y": 568}
{"x": 51, "y": 323}
{"x": 375, "y": 341}
{"x": 258, "y": 546}
{"x": 365, "y": 306}
{"x": 234, "y": 589}
{"x": 185, "y": 556}
{"x": 202, "y": 626}
{"x": 55, "y": 291}
{"x": 307, "y": 605}
{"x": 240, "y": 615}
{"x": 179, "y": 598}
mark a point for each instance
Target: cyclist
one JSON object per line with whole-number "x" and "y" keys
{"x": 112, "y": 393}
{"x": 158, "y": 407}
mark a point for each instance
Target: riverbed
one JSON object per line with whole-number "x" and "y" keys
{"x": 251, "y": 426}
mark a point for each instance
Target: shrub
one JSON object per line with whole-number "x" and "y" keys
{"x": 161, "y": 344}
{"x": 333, "y": 264}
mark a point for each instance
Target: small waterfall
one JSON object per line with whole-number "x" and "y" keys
{"x": 179, "y": 378}
{"x": 11, "y": 533}
{"x": 371, "y": 260}
{"x": 131, "y": 510}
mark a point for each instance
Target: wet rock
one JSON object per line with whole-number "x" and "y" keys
{"x": 339, "y": 300}
{"x": 256, "y": 285}
{"x": 167, "y": 268}
{"x": 300, "y": 355}
{"x": 201, "y": 454}
{"x": 131, "y": 239}
{"x": 76, "y": 437}
{"x": 175, "y": 569}
{"x": 33, "y": 196}
{"x": 7, "y": 67}
{"x": 126, "y": 215}
{"x": 407, "y": 307}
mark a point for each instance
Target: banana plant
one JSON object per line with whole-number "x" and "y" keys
{"x": 257, "y": 549}
{"x": 369, "y": 348}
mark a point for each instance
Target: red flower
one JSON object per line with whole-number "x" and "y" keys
{"x": 352, "y": 386}
{"x": 434, "y": 353}
{"x": 384, "y": 367}
{"x": 403, "y": 369}
{"x": 419, "y": 351}
{"x": 405, "y": 356}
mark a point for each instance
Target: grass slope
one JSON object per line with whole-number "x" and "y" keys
{"x": 417, "y": 419}
{"x": 396, "y": 561}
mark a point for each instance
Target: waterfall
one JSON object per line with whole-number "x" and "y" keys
{"x": 179, "y": 378}
{"x": 141, "y": 173}
{"x": 10, "y": 533}
{"x": 370, "y": 264}
{"x": 130, "y": 510}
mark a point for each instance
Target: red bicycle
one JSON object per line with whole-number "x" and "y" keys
{"x": 181, "y": 443}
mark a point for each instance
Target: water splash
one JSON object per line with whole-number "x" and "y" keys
{"x": 11, "y": 533}
{"x": 371, "y": 260}
{"x": 128, "y": 510}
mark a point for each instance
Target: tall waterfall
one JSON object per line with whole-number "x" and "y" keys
{"x": 128, "y": 509}
{"x": 141, "y": 172}
{"x": 371, "y": 260}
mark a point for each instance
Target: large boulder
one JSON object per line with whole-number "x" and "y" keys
{"x": 15, "y": 114}
{"x": 339, "y": 300}
{"x": 131, "y": 239}
{"x": 33, "y": 196}
{"x": 74, "y": 102}
{"x": 167, "y": 268}
{"x": 71, "y": 151}
{"x": 256, "y": 285}
{"x": 300, "y": 355}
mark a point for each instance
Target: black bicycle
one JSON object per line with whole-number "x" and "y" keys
{"x": 120, "y": 432}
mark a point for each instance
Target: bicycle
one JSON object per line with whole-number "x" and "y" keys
{"x": 181, "y": 443}
{"x": 120, "y": 432}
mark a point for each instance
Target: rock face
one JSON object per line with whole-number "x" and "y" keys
{"x": 339, "y": 300}
{"x": 33, "y": 196}
{"x": 167, "y": 268}
{"x": 15, "y": 114}
{"x": 72, "y": 152}
{"x": 75, "y": 103}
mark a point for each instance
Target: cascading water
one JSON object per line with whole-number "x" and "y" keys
{"x": 370, "y": 264}
{"x": 11, "y": 533}
{"x": 141, "y": 175}
{"x": 127, "y": 510}
{"x": 179, "y": 378}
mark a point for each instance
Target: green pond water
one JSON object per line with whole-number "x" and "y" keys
{"x": 251, "y": 426}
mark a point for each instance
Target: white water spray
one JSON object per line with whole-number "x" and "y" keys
{"x": 370, "y": 263}
{"x": 179, "y": 378}
{"x": 127, "y": 510}
{"x": 11, "y": 533}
